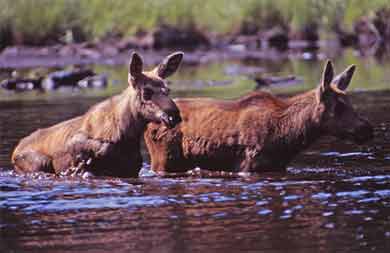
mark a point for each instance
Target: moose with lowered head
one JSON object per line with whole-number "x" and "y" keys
{"x": 106, "y": 139}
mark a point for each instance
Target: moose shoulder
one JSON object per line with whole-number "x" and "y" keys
{"x": 259, "y": 132}
{"x": 106, "y": 139}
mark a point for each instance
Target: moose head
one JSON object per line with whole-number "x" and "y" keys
{"x": 152, "y": 91}
{"x": 339, "y": 117}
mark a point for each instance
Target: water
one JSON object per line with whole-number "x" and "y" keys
{"x": 334, "y": 197}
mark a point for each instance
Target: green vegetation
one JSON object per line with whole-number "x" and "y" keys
{"x": 45, "y": 21}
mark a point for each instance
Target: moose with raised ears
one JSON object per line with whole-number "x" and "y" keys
{"x": 259, "y": 132}
{"x": 106, "y": 139}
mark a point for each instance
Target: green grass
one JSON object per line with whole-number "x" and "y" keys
{"x": 33, "y": 22}
{"x": 42, "y": 21}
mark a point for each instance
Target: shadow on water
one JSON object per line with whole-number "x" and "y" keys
{"x": 334, "y": 196}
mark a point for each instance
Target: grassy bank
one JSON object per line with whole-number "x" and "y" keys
{"x": 45, "y": 21}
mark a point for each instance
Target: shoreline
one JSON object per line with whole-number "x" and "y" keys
{"x": 19, "y": 57}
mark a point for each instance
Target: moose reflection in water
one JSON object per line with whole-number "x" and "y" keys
{"x": 106, "y": 139}
{"x": 258, "y": 132}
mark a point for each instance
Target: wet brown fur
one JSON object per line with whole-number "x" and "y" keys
{"x": 105, "y": 140}
{"x": 259, "y": 132}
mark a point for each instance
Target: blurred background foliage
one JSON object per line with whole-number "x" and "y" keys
{"x": 37, "y": 21}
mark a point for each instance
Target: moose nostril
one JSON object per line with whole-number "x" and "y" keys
{"x": 177, "y": 116}
{"x": 171, "y": 119}
{"x": 174, "y": 116}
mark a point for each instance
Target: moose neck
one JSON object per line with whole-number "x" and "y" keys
{"x": 299, "y": 122}
{"x": 130, "y": 124}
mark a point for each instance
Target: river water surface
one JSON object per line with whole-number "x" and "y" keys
{"x": 335, "y": 197}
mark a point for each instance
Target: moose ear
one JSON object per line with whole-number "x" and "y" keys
{"x": 327, "y": 76}
{"x": 169, "y": 65}
{"x": 325, "y": 85}
{"x": 135, "y": 67}
{"x": 344, "y": 79}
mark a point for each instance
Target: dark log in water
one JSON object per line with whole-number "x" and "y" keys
{"x": 96, "y": 81}
{"x": 21, "y": 84}
{"x": 65, "y": 78}
{"x": 276, "y": 80}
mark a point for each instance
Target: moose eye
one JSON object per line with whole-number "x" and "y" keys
{"x": 147, "y": 94}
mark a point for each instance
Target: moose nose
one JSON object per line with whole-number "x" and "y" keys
{"x": 171, "y": 119}
{"x": 169, "y": 113}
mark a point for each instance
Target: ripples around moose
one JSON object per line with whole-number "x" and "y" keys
{"x": 305, "y": 210}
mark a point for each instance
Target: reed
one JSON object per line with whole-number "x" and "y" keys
{"x": 45, "y": 21}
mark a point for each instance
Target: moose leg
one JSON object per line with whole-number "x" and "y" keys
{"x": 249, "y": 162}
{"x": 253, "y": 162}
{"x": 82, "y": 143}
{"x": 82, "y": 152}
{"x": 125, "y": 165}
{"x": 33, "y": 161}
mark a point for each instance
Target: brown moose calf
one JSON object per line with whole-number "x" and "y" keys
{"x": 106, "y": 139}
{"x": 258, "y": 132}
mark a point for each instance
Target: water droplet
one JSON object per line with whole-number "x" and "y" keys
{"x": 326, "y": 214}
{"x": 354, "y": 211}
{"x": 220, "y": 215}
{"x": 287, "y": 216}
{"x": 329, "y": 225}
{"x": 359, "y": 236}
{"x": 292, "y": 197}
{"x": 261, "y": 203}
{"x": 264, "y": 212}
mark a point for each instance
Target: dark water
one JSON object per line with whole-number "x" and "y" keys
{"x": 335, "y": 197}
